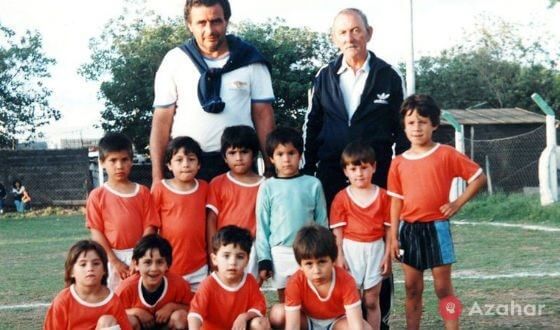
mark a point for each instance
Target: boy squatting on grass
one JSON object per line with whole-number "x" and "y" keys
{"x": 229, "y": 298}
{"x": 154, "y": 297}
{"x": 320, "y": 295}
{"x": 86, "y": 302}
{"x": 120, "y": 212}
{"x": 285, "y": 203}
{"x": 232, "y": 196}
{"x": 359, "y": 216}
{"x": 180, "y": 203}
{"x": 419, "y": 184}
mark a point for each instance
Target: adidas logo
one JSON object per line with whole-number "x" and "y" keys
{"x": 382, "y": 98}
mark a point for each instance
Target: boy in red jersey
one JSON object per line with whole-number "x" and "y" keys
{"x": 181, "y": 205}
{"x": 154, "y": 297}
{"x": 229, "y": 298}
{"x": 320, "y": 295}
{"x": 359, "y": 216}
{"x": 119, "y": 212}
{"x": 419, "y": 184}
{"x": 233, "y": 195}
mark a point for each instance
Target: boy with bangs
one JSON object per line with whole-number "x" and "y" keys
{"x": 419, "y": 184}
{"x": 232, "y": 196}
{"x": 119, "y": 212}
{"x": 229, "y": 298}
{"x": 181, "y": 205}
{"x": 320, "y": 295}
{"x": 154, "y": 298}
{"x": 359, "y": 217}
{"x": 285, "y": 203}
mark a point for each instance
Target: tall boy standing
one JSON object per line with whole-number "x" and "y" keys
{"x": 419, "y": 184}
{"x": 359, "y": 216}
{"x": 120, "y": 212}
{"x": 232, "y": 196}
{"x": 285, "y": 203}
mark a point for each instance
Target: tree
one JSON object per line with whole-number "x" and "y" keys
{"x": 494, "y": 65}
{"x": 125, "y": 58}
{"x": 24, "y": 105}
{"x": 296, "y": 55}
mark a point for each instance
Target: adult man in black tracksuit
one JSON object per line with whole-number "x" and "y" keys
{"x": 356, "y": 96}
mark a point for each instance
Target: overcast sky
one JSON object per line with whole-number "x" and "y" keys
{"x": 67, "y": 26}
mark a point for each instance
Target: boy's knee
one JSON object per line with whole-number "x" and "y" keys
{"x": 277, "y": 316}
{"x": 443, "y": 292}
{"x": 178, "y": 319}
{"x": 414, "y": 290}
{"x": 371, "y": 299}
{"x": 134, "y": 322}
{"x": 106, "y": 321}
{"x": 259, "y": 323}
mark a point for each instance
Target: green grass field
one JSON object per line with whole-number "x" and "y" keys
{"x": 496, "y": 266}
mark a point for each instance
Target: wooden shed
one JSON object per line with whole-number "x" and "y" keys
{"x": 505, "y": 142}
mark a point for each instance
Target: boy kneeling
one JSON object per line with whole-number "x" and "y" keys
{"x": 319, "y": 295}
{"x": 154, "y": 297}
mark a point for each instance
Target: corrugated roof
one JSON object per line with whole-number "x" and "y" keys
{"x": 495, "y": 116}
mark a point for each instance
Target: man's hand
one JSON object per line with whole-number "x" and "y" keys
{"x": 265, "y": 275}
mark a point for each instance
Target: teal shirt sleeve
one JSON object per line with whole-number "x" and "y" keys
{"x": 263, "y": 207}
{"x": 321, "y": 214}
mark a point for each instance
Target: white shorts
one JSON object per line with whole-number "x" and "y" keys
{"x": 253, "y": 265}
{"x": 317, "y": 324}
{"x": 284, "y": 265}
{"x": 196, "y": 277}
{"x": 364, "y": 260}
{"x": 113, "y": 279}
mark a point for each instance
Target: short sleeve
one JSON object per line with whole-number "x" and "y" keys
{"x": 293, "y": 294}
{"x": 165, "y": 89}
{"x": 464, "y": 167}
{"x": 394, "y": 187}
{"x": 338, "y": 216}
{"x": 120, "y": 314}
{"x": 184, "y": 293}
{"x": 257, "y": 297}
{"x": 385, "y": 209}
{"x": 199, "y": 303}
{"x": 214, "y": 200}
{"x": 261, "y": 84}
{"x": 57, "y": 316}
{"x": 94, "y": 215}
{"x": 350, "y": 296}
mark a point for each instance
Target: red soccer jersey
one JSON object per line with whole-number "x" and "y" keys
{"x": 361, "y": 223}
{"x": 217, "y": 306}
{"x": 423, "y": 181}
{"x": 122, "y": 218}
{"x": 302, "y": 295}
{"x": 175, "y": 290}
{"x": 183, "y": 224}
{"x": 69, "y": 311}
{"x": 234, "y": 202}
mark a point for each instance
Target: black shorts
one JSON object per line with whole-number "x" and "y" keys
{"x": 426, "y": 244}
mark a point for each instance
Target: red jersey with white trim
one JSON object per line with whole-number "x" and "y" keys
{"x": 234, "y": 201}
{"x": 69, "y": 311}
{"x": 423, "y": 181}
{"x": 175, "y": 290}
{"x": 122, "y": 218}
{"x": 183, "y": 224}
{"x": 361, "y": 223}
{"x": 302, "y": 295}
{"x": 217, "y": 305}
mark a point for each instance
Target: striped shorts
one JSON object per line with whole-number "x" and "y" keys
{"x": 426, "y": 244}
